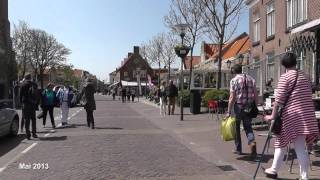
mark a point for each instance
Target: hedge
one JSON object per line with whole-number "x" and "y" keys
{"x": 214, "y": 94}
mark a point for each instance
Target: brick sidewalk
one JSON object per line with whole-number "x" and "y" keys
{"x": 201, "y": 134}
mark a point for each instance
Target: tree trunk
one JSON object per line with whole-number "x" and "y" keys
{"x": 159, "y": 75}
{"x": 190, "y": 72}
{"x": 41, "y": 78}
{"x": 169, "y": 72}
{"x": 219, "y": 63}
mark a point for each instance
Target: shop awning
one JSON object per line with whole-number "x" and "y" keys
{"x": 127, "y": 83}
{"x": 307, "y": 27}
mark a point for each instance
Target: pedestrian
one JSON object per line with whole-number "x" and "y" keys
{"x": 123, "y": 94}
{"x": 65, "y": 96}
{"x": 113, "y": 94}
{"x": 22, "y": 116}
{"x": 299, "y": 125}
{"x": 242, "y": 92}
{"x": 89, "y": 102}
{"x": 133, "y": 94}
{"x": 128, "y": 92}
{"x": 163, "y": 99}
{"x": 172, "y": 93}
{"x": 29, "y": 99}
{"x": 48, "y": 103}
{"x": 119, "y": 92}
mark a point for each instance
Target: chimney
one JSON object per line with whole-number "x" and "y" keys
{"x": 129, "y": 54}
{"x": 136, "y": 49}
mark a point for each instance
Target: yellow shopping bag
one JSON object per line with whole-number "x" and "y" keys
{"x": 228, "y": 129}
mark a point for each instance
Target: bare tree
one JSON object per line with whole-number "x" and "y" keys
{"x": 169, "y": 56}
{"x": 187, "y": 12}
{"x": 21, "y": 42}
{"x": 46, "y": 51}
{"x": 222, "y": 18}
{"x": 154, "y": 51}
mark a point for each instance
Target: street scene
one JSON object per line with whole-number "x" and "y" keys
{"x": 172, "y": 89}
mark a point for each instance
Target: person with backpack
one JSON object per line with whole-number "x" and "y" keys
{"x": 29, "y": 99}
{"x": 65, "y": 96}
{"x": 163, "y": 98}
{"x": 48, "y": 103}
{"x": 172, "y": 93}
{"x": 242, "y": 93}
{"x": 89, "y": 102}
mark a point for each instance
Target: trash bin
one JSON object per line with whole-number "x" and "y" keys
{"x": 195, "y": 101}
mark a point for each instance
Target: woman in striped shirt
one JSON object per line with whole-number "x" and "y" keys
{"x": 299, "y": 123}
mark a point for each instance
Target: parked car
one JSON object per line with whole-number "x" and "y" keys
{"x": 9, "y": 119}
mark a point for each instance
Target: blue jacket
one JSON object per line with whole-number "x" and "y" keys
{"x": 60, "y": 95}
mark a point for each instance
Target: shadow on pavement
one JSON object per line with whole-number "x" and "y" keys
{"x": 54, "y": 138}
{"x": 46, "y": 131}
{"x": 248, "y": 158}
{"x": 9, "y": 143}
{"x": 115, "y": 128}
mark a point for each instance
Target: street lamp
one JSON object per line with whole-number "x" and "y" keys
{"x": 240, "y": 58}
{"x": 181, "y": 51}
{"x": 228, "y": 64}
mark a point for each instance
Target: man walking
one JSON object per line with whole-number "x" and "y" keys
{"x": 65, "y": 96}
{"x": 242, "y": 92}
{"x": 89, "y": 102}
{"x": 29, "y": 99}
{"x": 172, "y": 93}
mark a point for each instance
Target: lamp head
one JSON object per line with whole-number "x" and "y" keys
{"x": 181, "y": 29}
{"x": 228, "y": 64}
{"x": 240, "y": 58}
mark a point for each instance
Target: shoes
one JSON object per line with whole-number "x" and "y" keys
{"x": 92, "y": 126}
{"x": 54, "y": 126}
{"x": 270, "y": 174}
{"x": 237, "y": 152}
{"x": 44, "y": 126}
{"x": 34, "y": 136}
{"x": 28, "y": 136}
{"x": 253, "y": 149}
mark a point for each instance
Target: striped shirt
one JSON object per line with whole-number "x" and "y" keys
{"x": 237, "y": 85}
{"x": 298, "y": 116}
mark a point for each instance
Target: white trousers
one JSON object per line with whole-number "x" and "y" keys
{"x": 163, "y": 106}
{"x": 64, "y": 112}
{"x": 302, "y": 154}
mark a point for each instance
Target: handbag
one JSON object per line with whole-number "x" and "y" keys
{"x": 277, "y": 125}
{"x": 250, "y": 108}
{"x": 228, "y": 128}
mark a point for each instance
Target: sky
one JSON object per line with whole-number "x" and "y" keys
{"x": 100, "y": 33}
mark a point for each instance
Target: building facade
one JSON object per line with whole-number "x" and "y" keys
{"x": 130, "y": 66}
{"x": 278, "y": 26}
{"x": 7, "y": 62}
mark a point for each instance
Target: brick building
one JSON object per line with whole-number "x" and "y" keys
{"x": 278, "y": 26}
{"x": 127, "y": 70}
{"x": 7, "y": 62}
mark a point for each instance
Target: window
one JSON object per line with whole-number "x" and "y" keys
{"x": 125, "y": 74}
{"x": 256, "y": 27}
{"x": 301, "y": 56}
{"x": 270, "y": 19}
{"x": 256, "y": 71}
{"x": 270, "y": 66}
{"x": 296, "y": 12}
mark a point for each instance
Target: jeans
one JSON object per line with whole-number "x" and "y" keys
{"x": 246, "y": 121}
{"x": 30, "y": 115}
{"x": 90, "y": 119}
{"x": 45, "y": 111}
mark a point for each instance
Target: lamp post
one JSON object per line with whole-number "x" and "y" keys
{"x": 181, "y": 51}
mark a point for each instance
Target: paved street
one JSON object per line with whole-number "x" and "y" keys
{"x": 130, "y": 142}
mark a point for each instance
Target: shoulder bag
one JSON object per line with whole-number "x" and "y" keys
{"x": 250, "y": 108}
{"x": 276, "y": 129}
